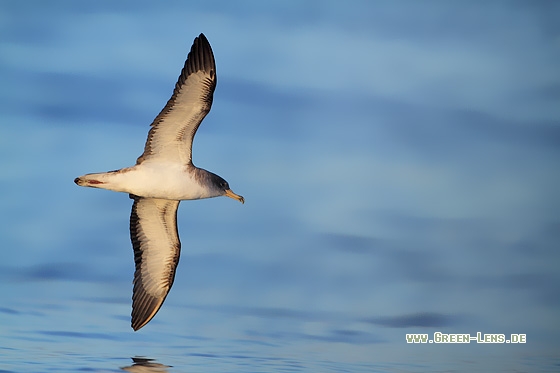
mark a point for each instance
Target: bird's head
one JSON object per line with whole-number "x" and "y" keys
{"x": 223, "y": 189}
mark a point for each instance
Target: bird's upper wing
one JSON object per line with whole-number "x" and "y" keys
{"x": 153, "y": 231}
{"x": 172, "y": 132}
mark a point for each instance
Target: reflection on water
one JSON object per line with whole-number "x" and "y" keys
{"x": 146, "y": 365}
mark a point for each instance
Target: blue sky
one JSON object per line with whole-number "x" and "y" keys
{"x": 399, "y": 160}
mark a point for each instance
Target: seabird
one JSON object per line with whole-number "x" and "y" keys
{"x": 163, "y": 176}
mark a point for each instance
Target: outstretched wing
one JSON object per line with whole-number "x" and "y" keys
{"x": 172, "y": 132}
{"x": 153, "y": 231}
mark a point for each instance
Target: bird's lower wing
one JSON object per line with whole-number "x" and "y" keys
{"x": 153, "y": 231}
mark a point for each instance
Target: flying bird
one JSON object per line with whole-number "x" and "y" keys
{"x": 163, "y": 176}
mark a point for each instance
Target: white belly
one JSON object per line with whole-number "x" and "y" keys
{"x": 161, "y": 180}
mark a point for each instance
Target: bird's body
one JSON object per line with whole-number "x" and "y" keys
{"x": 165, "y": 180}
{"x": 163, "y": 176}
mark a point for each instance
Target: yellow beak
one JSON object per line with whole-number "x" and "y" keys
{"x": 230, "y": 194}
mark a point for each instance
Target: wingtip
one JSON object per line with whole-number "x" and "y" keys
{"x": 136, "y": 327}
{"x": 200, "y": 57}
{"x": 203, "y": 43}
{"x": 141, "y": 319}
{"x": 201, "y": 38}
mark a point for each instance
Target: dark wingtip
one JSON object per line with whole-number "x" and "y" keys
{"x": 200, "y": 57}
{"x": 77, "y": 181}
{"x": 138, "y": 323}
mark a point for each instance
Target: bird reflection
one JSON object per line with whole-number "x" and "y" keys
{"x": 145, "y": 365}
